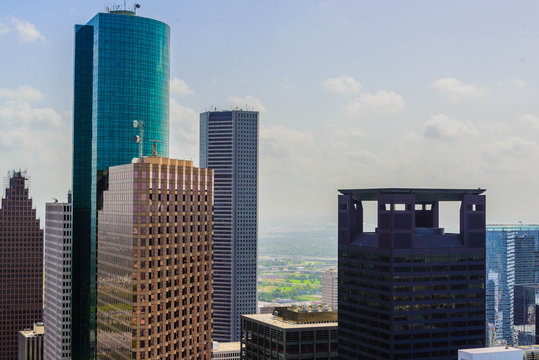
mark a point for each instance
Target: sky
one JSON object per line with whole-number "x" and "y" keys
{"x": 351, "y": 94}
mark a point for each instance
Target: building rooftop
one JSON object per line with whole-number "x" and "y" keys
{"x": 298, "y": 317}
{"x": 529, "y": 347}
{"x": 421, "y": 194}
{"x": 225, "y": 347}
{"x": 122, "y": 12}
{"x": 272, "y": 320}
{"x": 247, "y": 108}
{"x": 39, "y": 329}
{"x": 163, "y": 161}
{"x": 490, "y": 350}
{"x": 512, "y": 227}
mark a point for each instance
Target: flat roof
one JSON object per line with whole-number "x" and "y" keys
{"x": 512, "y": 227}
{"x": 270, "y": 319}
{"x": 529, "y": 347}
{"x": 226, "y": 347}
{"x": 421, "y": 194}
{"x": 489, "y": 350}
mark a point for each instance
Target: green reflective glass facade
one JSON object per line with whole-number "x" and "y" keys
{"x": 121, "y": 74}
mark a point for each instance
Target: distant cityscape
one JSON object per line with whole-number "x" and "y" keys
{"x": 150, "y": 257}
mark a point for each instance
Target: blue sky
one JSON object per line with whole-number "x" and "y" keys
{"x": 351, "y": 94}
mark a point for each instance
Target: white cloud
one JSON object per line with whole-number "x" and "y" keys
{"x": 454, "y": 88}
{"x": 513, "y": 147}
{"x": 26, "y": 93}
{"x": 335, "y": 132}
{"x": 184, "y": 132}
{"x": 26, "y": 30}
{"x": 179, "y": 87}
{"x": 4, "y": 29}
{"x": 387, "y": 102}
{"x": 343, "y": 85}
{"x": 522, "y": 84}
{"x": 36, "y": 138}
{"x": 17, "y": 111}
{"x": 363, "y": 156}
{"x": 281, "y": 141}
{"x": 287, "y": 150}
{"x": 530, "y": 120}
{"x": 247, "y": 101}
{"x": 285, "y": 83}
{"x": 442, "y": 127}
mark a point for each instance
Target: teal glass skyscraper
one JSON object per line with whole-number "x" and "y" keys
{"x": 121, "y": 74}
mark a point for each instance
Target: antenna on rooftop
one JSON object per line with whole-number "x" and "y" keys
{"x": 139, "y": 138}
{"x": 154, "y": 146}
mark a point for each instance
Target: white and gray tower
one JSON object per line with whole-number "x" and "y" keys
{"x": 57, "y": 299}
{"x": 330, "y": 287}
{"x": 229, "y": 145}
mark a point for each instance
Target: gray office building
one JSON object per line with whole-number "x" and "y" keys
{"x": 57, "y": 310}
{"x": 229, "y": 145}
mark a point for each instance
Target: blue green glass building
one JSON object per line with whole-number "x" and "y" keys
{"x": 121, "y": 74}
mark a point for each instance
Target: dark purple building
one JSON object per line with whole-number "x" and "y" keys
{"x": 409, "y": 290}
{"x": 21, "y": 265}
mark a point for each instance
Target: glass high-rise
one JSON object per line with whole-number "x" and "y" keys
{"x": 229, "y": 145}
{"x": 501, "y": 280}
{"x": 121, "y": 74}
{"x": 511, "y": 260}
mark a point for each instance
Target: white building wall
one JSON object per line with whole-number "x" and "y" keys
{"x": 492, "y": 353}
{"x": 330, "y": 287}
{"x": 57, "y": 264}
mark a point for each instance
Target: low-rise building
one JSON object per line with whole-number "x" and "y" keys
{"x": 296, "y": 332}
{"x": 491, "y": 353}
{"x": 226, "y": 350}
{"x": 530, "y": 352}
{"x": 31, "y": 343}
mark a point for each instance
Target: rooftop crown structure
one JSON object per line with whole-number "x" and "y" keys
{"x": 409, "y": 218}
{"x": 409, "y": 290}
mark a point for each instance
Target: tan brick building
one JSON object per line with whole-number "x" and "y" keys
{"x": 154, "y": 262}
